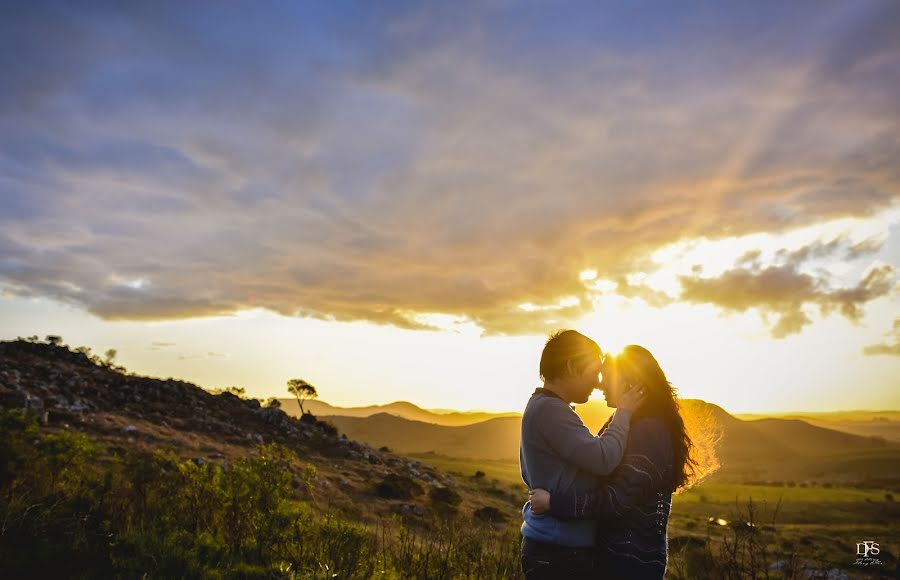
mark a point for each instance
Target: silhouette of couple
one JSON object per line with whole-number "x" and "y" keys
{"x": 599, "y": 504}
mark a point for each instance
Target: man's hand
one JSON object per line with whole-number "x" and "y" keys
{"x": 633, "y": 398}
{"x": 540, "y": 500}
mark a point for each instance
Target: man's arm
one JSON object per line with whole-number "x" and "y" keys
{"x": 569, "y": 439}
{"x": 643, "y": 471}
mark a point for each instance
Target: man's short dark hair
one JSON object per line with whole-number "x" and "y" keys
{"x": 563, "y": 346}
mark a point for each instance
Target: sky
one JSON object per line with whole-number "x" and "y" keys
{"x": 399, "y": 201}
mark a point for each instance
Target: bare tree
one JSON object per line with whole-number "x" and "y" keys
{"x": 302, "y": 390}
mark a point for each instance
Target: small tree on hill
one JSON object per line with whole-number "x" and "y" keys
{"x": 302, "y": 390}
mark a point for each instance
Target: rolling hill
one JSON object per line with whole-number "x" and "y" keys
{"x": 884, "y": 424}
{"x": 770, "y": 448}
{"x": 402, "y": 409}
{"x": 493, "y": 439}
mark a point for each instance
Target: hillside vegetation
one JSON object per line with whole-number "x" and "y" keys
{"x": 105, "y": 474}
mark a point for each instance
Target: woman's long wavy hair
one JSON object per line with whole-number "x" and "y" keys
{"x": 691, "y": 463}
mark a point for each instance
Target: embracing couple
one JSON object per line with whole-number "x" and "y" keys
{"x": 599, "y": 504}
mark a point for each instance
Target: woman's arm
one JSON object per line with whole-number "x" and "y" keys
{"x": 644, "y": 470}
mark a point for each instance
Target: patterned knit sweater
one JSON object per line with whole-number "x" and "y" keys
{"x": 631, "y": 506}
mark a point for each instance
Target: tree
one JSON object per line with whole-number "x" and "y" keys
{"x": 110, "y": 356}
{"x": 302, "y": 390}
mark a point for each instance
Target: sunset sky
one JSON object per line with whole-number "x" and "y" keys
{"x": 399, "y": 201}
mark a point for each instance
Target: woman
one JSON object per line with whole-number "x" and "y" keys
{"x": 632, "y": 505}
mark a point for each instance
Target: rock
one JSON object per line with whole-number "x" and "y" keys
{"x": 34, "y": 403}
{"x": 129, "y": 429}
{"x": 411, "y": 508}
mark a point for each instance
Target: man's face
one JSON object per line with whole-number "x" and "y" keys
{"x": 586, "y": 381}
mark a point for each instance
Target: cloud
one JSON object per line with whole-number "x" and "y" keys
{"x": 889, "y": 347}
{"x": 375, "y": 163}
{"x": 783, "y": 292}
{"x": 207, "y": 355}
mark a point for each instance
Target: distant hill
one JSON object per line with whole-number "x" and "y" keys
{"x": 492, "y": 439}
{"x": 884, "y": 424}
{"x": 759, "y": 449}
{"x": 402, "y": 409}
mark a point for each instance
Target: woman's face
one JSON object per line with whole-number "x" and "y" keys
{"x": 612, "y": 384}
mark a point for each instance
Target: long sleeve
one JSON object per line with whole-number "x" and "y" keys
{"x": 645, "y": 469}
{"x": 567, "y": 436}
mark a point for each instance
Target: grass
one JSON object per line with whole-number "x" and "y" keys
{"x": 506, "y": 472}
{"x": 814, "y": 524}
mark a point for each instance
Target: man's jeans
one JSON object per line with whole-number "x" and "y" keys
{"x": 542, "y": 561}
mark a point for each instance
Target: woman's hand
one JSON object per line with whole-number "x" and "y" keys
{"x": 540, "y": 500}
{"x": 633, "y": 398}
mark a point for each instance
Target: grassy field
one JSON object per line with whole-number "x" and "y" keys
{"x": 820, "y": 524}
{"x": 505, "y": 472}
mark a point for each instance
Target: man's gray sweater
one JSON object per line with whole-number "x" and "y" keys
{"x": 558, "y": 453}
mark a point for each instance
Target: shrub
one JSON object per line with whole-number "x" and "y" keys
{"x": 395, "y": 486}
{"x": 444, "y": 499}
{"x": 490, "y": 514}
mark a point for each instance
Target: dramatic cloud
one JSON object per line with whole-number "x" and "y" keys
{"x": 782, "y": 291}
{"x": 381, "y": 161}
{"x": 891, "y": 347}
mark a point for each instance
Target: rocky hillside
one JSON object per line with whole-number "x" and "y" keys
{"x": 68, "y": 390}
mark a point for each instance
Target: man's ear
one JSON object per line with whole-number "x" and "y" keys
{"x": 570, "y": 367}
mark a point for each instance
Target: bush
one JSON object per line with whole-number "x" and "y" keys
{"x": 444, "y": 499}
{"x": 328, "y": 429}
{"x": 395, "y": 486}
{"x": 490, "y": 514}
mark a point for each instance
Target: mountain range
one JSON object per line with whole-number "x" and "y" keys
{"x": 747, "y": 449}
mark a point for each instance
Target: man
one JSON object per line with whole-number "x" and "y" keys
{"x": 557, "y": 452}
